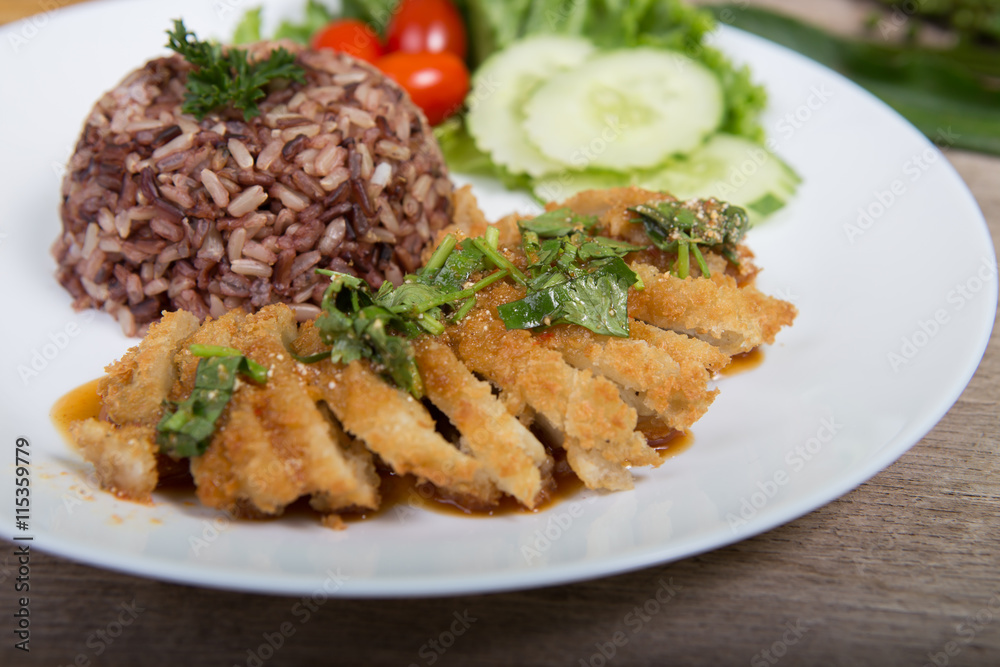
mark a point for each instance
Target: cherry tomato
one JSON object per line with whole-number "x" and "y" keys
{"x": 436, "y": 82}
{"x": 426, "y": 25}
{"x": 349, "y": 36}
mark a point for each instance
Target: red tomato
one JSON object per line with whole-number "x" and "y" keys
{"x": 436, "y": 82}
{"x": 426, "y": 25}
{"x": 349, "y": 36}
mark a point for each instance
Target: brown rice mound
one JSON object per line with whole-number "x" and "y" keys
{"x": 162, "y": 212}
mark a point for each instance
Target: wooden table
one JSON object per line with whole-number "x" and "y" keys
{"x": 904, "y": 570}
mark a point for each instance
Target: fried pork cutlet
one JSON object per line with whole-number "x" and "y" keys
{"x": 276, "y": 444}
{"x": 725, "y": 310}
{"x": 135, "y": 386}
{"x": 585, "y": 410}
{"x": 317, "y": 430}
{"x": 734, "y": 319}
{"x": 392, "y": 424}
{"x": 124, "y": 457}
{"x": 512, "y": 457}
{"x": 650, "y": 379}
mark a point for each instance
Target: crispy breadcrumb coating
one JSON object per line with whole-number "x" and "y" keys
{"x": 321, "y": 430}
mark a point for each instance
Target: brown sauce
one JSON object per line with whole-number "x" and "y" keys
{"x": 669, "y": 442}
{"x": 81, "y": 403}
{"x": 401, "y": 494}
{"x": 404, "y": 493}
{"x": 745, "y": 361}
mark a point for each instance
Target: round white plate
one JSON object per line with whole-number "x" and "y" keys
{"x": 884, "y": 252}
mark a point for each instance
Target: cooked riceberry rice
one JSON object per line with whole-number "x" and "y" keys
{"x": 161, "y": 212}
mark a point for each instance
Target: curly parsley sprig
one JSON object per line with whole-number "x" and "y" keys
{"x": 222, "y": 79}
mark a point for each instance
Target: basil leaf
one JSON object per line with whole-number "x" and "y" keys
{"x": 560, "y": 222}
{"x": 187, "y": 429}
{"x": 596, "y": 300}
{"x": 464, "y": 261}
{"x": 675, "y": 226}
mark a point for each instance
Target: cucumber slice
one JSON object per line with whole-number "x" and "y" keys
{"x": 499, "y": 90}
{"x": 729, "y": 168}
{"x": 557, "y": 187}
{"x": 624, "y": 110}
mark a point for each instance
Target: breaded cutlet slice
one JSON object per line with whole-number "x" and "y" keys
{"x": 773, "y": 313}
{"x": 124, "y": 457}
{"x": 513, "y": 458}
{"x": 694, "y": 356}
{"x": 361, "y": 464}
{"x": 716, "y": 310}
{"x": 587, "y": 410}
{"x": 391, "y": 423}
{"x": 469, "y": 221}
{"x": 273, "y": 444}
{"x": 615, "y": 220}
{"x": 651, "y": 379}
{"x": 595, "y": 471}
{"x": 136, "y": 385}
{"x": 222, "y": 331}
{"x": 611, "y": 208}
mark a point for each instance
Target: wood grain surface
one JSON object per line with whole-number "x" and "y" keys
{"x": 904, "y": 570}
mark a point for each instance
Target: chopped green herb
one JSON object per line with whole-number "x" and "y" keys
{"x": 358, "y": 324}
{"x": 462, "y": 262}
{"x": 596, "y": 300}
{"x": 572, "y": 277}
{"x": 498, "y": 260}
{"x": 222, "y": 79}
{"x": 187, "y": 429}
{"x": 356, "y": 327}
{"x": 681, "y": 227}
{"x": 560, "y": 222}
{"x": 256, "y": 372}
{"x": 440, "y": 255}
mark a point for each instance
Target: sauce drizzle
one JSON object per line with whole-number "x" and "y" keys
{"x": 745, "y": 361}
{"x": 400, "y": 493}
{"x": 80, "y": 403}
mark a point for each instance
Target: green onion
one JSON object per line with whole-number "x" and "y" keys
{"x": 499, "y": 260}
{"x": 440, "y": 255}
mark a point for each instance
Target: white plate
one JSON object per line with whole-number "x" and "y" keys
{"x": 827, "y": 410}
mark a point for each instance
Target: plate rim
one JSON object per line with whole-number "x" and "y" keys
{"x": 411, "y": 586}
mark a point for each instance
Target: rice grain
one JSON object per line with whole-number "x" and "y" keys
{"x": 161, "y": 211}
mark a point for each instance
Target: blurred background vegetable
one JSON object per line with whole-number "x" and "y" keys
{"x": 436, "y": 82}
{"x": 430, "y": 26}
{"x": 349, "y": 36}
{"x": 680, "y": 113}
{"x": 973, "y": 20}
{"x": 950, "y": 92}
